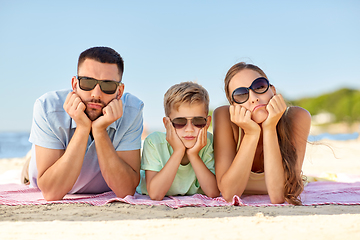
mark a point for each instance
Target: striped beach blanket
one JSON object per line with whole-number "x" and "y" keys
{"x": 315, "y": 193}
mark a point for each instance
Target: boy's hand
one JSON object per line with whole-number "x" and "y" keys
{"x": 75, "y": 107}
{"x": 201, "y": 142}
{"x": 172, "y": 137}
{"x": 276, "y": 108}
{"x": 242, "y": 118}
{"x": 112, "y": 112}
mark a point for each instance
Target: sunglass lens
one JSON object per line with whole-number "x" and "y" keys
{"x": 199, "y": 122}
{"x": 240, "y": 95}
{"x": 260, "y": 85}
{"x": 108, "y": 87}
{"x": 179, "y": 122}
{"x": 87, "y": 84}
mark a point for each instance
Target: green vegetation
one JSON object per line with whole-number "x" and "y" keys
{"x": 344, "y": 104}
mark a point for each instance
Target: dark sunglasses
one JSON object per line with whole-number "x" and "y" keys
{"x": 181, "y": 122}
{"x": 107, "y": 86}
{"x": 241, "y": 94}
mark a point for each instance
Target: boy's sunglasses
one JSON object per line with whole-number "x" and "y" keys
{"x": 259, "y": 85}
{"x": 181, "y": 122}
{"x": 107, "y": 86}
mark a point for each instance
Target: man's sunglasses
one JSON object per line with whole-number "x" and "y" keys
{"x": 241, "y": 94}
{"x": 107, "y": 86}
{"x": 181, "y": 122}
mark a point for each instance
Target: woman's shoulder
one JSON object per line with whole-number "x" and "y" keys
{"x": 300, "y": 119}
{"x": 298, "y": 113}
{"x": 221, "y": 112}
{"x": 224, "y": 108}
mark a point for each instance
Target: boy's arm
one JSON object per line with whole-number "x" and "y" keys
{"x": 205, "y": 177}
{"x": 159, "y": 183}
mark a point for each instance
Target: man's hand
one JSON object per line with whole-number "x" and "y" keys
{"x": 242, "y": 118}
{"x": 76, "y": 109}
{"x": 112, "y": 112}
{"x": 276, "y": 108}
{"x": 172, "y": 137}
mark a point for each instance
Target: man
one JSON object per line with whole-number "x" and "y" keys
{"x": 88, "y": 140}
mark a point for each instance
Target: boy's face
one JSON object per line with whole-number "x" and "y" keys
{"x": 188, "y": 134}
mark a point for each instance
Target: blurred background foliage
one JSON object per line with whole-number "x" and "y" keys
{"x": 343, "y": 105}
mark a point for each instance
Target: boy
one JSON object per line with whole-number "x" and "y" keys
{"x": 180, "y": 161}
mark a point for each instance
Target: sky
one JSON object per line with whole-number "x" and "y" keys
{"x": 306, "y": 48}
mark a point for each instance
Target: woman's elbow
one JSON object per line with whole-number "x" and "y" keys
{"x": 277, "y": 199}
{"x": 213, "y": 194}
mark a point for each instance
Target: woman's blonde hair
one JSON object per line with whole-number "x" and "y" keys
{"x": 294, "y": 183}
{"x": 185, "y": 92}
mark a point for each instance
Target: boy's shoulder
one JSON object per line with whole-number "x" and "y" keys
{"x": 156, "y": 137}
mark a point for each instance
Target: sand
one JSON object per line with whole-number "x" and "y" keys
{"x": 339, "y": 159}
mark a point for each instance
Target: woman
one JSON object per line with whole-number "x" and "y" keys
{"x": 259, "y": 143}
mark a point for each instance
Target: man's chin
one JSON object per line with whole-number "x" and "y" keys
{"x": 93, "y": 115}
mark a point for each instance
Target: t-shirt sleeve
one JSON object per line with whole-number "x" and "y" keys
{"x": 131, "y": 139}
{"x": 151, "y": 159}
{"x": 42, "y": 133}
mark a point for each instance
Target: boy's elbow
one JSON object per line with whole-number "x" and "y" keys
{"x": 155, "y": 196}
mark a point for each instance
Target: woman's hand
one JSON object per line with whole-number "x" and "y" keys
{"x": 276, "y": 108}
{"x": 242, "y": 118}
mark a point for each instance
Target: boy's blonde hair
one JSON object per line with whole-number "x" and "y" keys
{"x": 185, "y": 92}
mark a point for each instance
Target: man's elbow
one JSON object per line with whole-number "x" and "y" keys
{"x": 52, "y": 196}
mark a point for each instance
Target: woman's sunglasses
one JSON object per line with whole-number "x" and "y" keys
{"x": 107, "y": 86}
{"x": 259, "y": 85}
{"x": 181, "y": 122}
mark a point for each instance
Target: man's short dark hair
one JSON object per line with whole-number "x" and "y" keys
{"x": 103, "y": 55}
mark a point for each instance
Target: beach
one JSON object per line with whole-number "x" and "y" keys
{"x": 337, "y": 160}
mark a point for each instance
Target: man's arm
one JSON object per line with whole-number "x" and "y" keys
{"x": 120, "y": 169}
{"x": 58, "y": 170}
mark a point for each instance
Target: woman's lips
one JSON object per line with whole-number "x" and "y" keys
{"x": 258, "y": 106}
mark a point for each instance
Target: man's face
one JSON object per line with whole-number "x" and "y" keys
{"x": 95, "y": 99}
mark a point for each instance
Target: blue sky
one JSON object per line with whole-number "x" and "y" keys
{"x": 306, "y": 47}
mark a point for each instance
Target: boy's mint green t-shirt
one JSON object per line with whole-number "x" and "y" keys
{"x": 157, "y": 151}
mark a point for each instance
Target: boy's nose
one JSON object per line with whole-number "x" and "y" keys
{"x": 189, "y": 126}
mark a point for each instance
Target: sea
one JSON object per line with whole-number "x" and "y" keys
{"x": 17, "y": 145}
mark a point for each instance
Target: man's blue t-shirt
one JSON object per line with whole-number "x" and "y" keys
{"x": 52, "y": 128}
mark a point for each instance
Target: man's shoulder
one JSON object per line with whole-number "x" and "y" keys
{"x": 58, "y": 96}
{"x": 130, "y": 100}
{"x": 53, "y": 100}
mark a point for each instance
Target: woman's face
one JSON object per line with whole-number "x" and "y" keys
{"x": 256, "y": 103}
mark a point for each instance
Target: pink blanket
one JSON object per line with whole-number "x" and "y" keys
{"x": 315, "y": 193}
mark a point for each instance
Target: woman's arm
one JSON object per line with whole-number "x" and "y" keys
{"x": 273, "y": 166}
{"x": 233, "y": 167}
